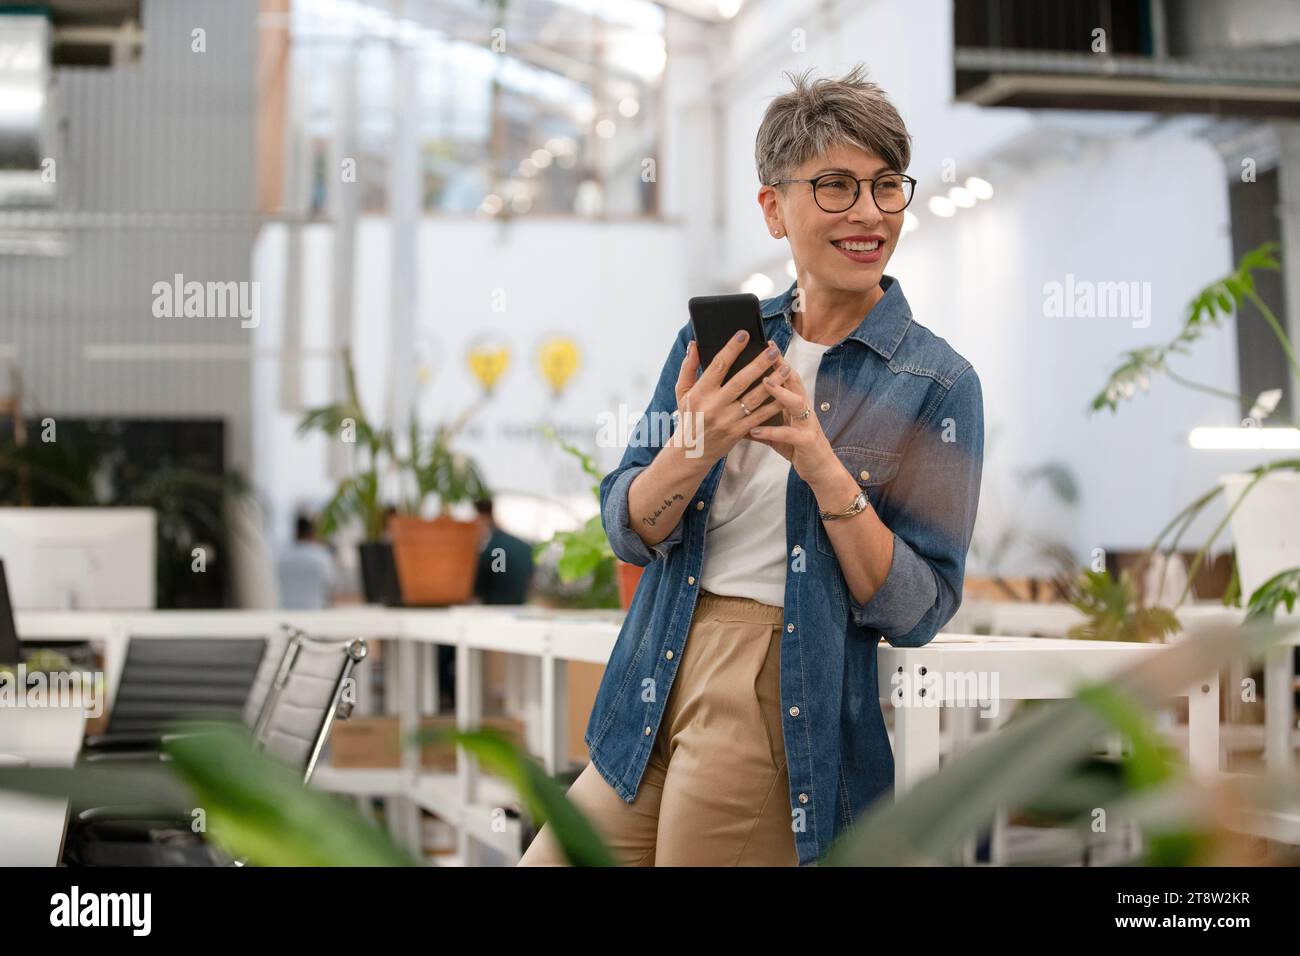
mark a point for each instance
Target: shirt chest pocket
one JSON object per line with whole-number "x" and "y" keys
{"x": 873, "y": 470}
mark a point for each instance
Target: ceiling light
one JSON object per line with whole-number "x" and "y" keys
{"x": 759, "y": 284}
{"x": 942, "y": 206}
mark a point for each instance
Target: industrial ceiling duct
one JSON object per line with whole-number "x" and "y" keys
{"x": 1172, "y": 56}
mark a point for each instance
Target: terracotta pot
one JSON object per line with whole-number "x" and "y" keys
{"x": 436, "y": 559}
{"x": 628, "y": 576}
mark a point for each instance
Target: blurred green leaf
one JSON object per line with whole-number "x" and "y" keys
{"x": 258, "y": 808}
{"x": 543, "y": 799}
{"x": 1034, "y": 751}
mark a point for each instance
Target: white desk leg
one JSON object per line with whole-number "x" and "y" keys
{"x": 426, "y": 656}
{"x": 1279, "y": 708}
{"x": 916, "y": 745}
{"x": 554, "y": 715}
{"x": 529, "y": 689}
{"x": 961, "y": 731}
{"x": 392, "y": 664}
{"x": 1236, "y": 674}
{"x": 1203, "y": 727}
{"x": 407, "y": 692}
{"x": 469, "y": 714}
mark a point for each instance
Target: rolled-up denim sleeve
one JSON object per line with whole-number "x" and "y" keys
{"x": 931, "y": 510}
{"x": 651, "y": 433}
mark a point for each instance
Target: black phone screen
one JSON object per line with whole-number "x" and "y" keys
{"x": 716, "y": 318}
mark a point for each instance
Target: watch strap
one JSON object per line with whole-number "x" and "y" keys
{"x": 858, "y": 506}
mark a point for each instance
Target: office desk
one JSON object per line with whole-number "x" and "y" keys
{"x": 1025, "y": 668}
{"x": 32, "y": 828}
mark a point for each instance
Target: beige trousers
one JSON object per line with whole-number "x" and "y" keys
{"x": 715, "y": 791}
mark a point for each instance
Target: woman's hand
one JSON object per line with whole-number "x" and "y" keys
{"x": 800, "y": 440}
{"x": 715, "y": 415}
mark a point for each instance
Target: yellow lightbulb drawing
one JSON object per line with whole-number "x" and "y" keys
{"x": 558, "y": 359}
{"x": 488, "y": 362}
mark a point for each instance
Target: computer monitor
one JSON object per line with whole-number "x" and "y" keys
{"x": 11, "y": 651}
{"x": 79, "y": 558}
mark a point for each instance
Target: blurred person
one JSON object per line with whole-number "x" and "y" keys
{"x": 307, "y": 571}
{"x": 738, "y": 720}
{"x": 505, "y": 562}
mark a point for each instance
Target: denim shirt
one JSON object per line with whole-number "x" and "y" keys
{"x": 904, "y": 413}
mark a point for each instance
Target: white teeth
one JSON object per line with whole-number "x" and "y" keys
{"x": 860, "y": 246}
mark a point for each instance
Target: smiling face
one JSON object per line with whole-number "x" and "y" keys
{"x": 843, "y": 251}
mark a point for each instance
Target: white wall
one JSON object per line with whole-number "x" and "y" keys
{"x": 617, "y": 289}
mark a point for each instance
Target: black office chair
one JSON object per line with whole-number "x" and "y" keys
{"x": 303, "y": 700}
{"x": 169, "y": 680}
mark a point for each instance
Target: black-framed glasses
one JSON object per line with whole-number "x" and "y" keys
{"x": 837, "y": 192}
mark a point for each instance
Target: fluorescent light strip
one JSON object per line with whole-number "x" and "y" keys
{"x": 196, "y": 352}
{"x": 1244, "y": 439}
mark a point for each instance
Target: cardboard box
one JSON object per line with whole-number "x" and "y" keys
{"x": 583, "y": 681}
{"x": 375, "y": 742}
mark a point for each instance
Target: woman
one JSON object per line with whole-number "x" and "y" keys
{"x": 739, "y": 721}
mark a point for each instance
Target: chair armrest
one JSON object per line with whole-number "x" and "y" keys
{"x": 120, "y": 741}
{"x": 123, "y": 756}
{"x": 163, "y": 814}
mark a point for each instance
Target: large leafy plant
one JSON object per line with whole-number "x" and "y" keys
{"x": 1208, "y": 310}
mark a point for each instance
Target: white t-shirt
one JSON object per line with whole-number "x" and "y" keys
{"x": 744, "y": 548}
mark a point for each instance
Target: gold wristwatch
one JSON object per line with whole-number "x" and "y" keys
{"x": 859, "y": 505}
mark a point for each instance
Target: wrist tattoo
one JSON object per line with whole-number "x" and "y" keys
{"x": 668, "y": 503}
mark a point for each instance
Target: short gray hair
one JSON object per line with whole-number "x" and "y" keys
{"x": 818, "y": 115}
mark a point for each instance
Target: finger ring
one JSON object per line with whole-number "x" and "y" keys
{"x": 743, "y": 408}
{"x": 805, "y": 413}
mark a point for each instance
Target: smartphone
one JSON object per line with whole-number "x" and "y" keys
{"x": 716, "y": 318}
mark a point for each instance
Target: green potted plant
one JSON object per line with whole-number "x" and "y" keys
{"x": 585, "y": 553}
{"x": 436, "y": 557}
{"x": 358, "y": 497}
{"x": 1268, "y": 581}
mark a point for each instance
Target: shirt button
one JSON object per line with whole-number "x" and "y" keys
{"x": 796, "y": 550}
{"x": 826, "y": 406}
{"x": 803, "y": 798}
{"x": 794, "y": 711}
{"x": 699, "y": 506}
{"x": 648, "y": 731}
{"x": 864, "y": 474}
{"x": 690, "y": 580}
{"x": 668, "y": 654}
{"x": 789, "y": 627}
